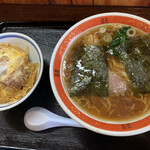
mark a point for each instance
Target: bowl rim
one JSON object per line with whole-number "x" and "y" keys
{"x": 63, "y": 106}
{"x": 38, "y": 50}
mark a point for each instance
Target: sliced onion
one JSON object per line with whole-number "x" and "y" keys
{"x": 107, "y": 38}
{"x": 131, "y": 32}
{"x": 102, "y": 30}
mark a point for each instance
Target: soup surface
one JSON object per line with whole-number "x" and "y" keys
{"x": 106, "y": 72}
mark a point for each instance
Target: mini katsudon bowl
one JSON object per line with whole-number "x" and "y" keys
{"x": 21, "y": 67}
{"x": 100, "y": 73}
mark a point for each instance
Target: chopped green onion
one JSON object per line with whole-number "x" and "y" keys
{"x": 131, "y": 32}
{"x": 107, "y": 38}
{"x": 102, "y": 30}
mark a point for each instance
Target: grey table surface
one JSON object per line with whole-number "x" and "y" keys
{"x": 13, "y": 133}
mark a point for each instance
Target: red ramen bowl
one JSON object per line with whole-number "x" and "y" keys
{"x": 132, "y": 127}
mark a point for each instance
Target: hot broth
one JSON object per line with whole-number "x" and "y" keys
{"x": 103, "y": 72}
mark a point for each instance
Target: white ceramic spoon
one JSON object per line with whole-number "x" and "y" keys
{"x": 38, "y": 119}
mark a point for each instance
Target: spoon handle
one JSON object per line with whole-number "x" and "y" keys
{"x": 63, "y": 121}
{"x": 58, "y": 121}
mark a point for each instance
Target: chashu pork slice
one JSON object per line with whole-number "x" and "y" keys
{"x": 117, "y": 85}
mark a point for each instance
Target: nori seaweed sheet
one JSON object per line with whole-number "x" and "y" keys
{"x": 90, "y": 72}
{"x": 135, "y": 55}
